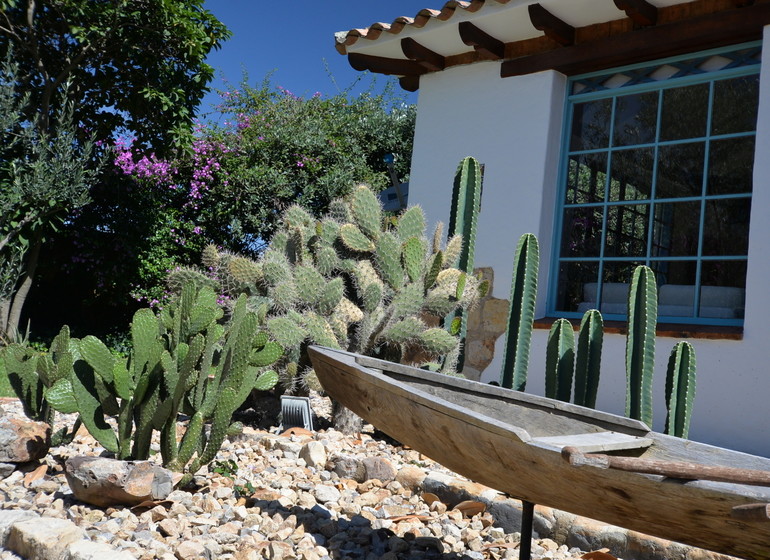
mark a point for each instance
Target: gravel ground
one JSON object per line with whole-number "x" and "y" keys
{"x": 283, "y": 497}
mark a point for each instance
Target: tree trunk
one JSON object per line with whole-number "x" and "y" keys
{"x": 14, "y": 315}
{"x": 345, "y": 420}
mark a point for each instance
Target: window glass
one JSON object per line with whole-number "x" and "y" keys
{"x": 658, "y": 171}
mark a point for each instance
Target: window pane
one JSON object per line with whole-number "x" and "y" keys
{"x": 676, "y": 287}
{"x": 680, "y": 170}
{"x": 591, "y": 125}
{"x": 635, "y": 119}
{"x": 676, "y": 229}
{"x": 631, "y": 174}
{"x": 675, "y": 272}
{"x": 577, "y": 286}
{"x": 722, "y": 289}
{"x": 731, "y": 165}
{"x": 586, "y": 178}
{"x": 582, "y": 232}
{"x": 726, "y": 230}
{"x": 627, "y": 231}
{"x": 735, "y": 105}
{"x": 615, "y": 282}
{"x": 684, "y": 113}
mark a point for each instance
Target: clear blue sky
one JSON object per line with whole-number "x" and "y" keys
{"x": 293, "y": 39}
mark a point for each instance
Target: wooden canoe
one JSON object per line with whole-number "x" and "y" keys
{"x": 515, "y": 442}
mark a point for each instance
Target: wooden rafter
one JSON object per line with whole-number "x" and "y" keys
{"x": 480, "y": 40}
{"x": 430, "y": 60}
{"x": 383, "y": 65}
{"x": 641, "y": 11}
{"x": 641, "y": 45}
{"x": 409, "y": 83}
{"x": 554, "y": 28}
{"x": 742, "y": 3}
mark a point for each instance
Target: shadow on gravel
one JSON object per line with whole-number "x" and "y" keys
{"x": 355, "y": 538}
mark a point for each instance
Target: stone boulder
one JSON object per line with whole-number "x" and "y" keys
{"x": 23, "y": 440}
{"x": 107, "y": 482}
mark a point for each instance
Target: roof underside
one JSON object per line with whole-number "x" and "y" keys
{"x": 567, "y": 35}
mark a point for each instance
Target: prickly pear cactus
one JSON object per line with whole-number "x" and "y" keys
{"x": 353, "y": 279}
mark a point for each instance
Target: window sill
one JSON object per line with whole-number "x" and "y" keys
{"x": 672, "y": 330}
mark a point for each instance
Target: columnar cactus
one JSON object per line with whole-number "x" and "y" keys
{"x": 640, "y": 343}
{"x": 680, "y": 389}
{"x": 466, "y": 204}
{"x": 560, "y": 361}
{"x": 354, "y": 279}
{"x": 588, "y": 359}
{"x": 521, "y": 314}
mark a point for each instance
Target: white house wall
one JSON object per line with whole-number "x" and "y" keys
{"x": 514, "y": 127}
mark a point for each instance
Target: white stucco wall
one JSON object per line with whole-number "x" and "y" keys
{"x": 513, "y": 126}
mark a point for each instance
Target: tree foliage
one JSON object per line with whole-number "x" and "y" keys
{"x": 136, "y": 66}
{"x": 108, "y": 67}
{"x": 268, "y": 150}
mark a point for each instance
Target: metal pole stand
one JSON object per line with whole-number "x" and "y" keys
{"x": 527, "y": 518}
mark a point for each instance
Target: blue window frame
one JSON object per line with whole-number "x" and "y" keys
{"x": 657, "y": 169}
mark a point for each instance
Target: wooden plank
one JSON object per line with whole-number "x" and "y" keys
{"x": 409, "y": 83}
{"x": 708, "y": 31}
{"x": 554, "y": 28}
{"x": 669, "y": 469}
{"x": 594, "y": 442}
{"x": 422, "y": 55}
{"x": 383, "y": 65}
{"x": 481, "y": 40}
{"x": 640, "y": 11}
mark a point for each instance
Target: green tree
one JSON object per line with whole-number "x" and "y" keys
{"x": 42, "y": 176}
{"x": 134, "y": 67}
{"x": 268, "y": 150}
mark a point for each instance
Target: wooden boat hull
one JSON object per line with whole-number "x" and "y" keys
{"x": 499, "y": 438}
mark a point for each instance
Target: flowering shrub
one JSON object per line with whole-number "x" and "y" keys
{"x": 266, "y": 149}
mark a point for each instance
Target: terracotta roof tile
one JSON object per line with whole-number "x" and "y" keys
{"x": 344, "y": 39}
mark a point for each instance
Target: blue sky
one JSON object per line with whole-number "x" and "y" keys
{"x": 292, "y": 39}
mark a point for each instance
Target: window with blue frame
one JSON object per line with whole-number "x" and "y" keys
{"x": 657, "y": 170}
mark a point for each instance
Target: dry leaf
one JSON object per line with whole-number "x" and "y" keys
{"x": 37, "y": 474}
{"x": 418, "y": 517}
{"x": 602, "y": 554}
{"x": 297, "y": 432}
{"x": 429, "y": 498}
{"x": 149, "y": 504}
{"x": 501, "y": 545}
{"x": 469, "y": 508}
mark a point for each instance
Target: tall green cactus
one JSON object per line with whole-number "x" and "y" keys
{"x": 354, "y": 280}
{"x": 589, "y": 358}
{"x": 560, "y": 361}
{"x": 466, "y": 204}
{"x": 640, "y": 344}
{"x": 680, "y": 389}
{"x": 521, "y": 314}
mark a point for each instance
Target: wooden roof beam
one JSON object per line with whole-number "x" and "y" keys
{"x": 482, "y": 41}
{"x": 640, "y": 11}
{"x": 649, "y": 43}
{"x": 383, "y": 65}
{"x": 554, "y": 28}
{"x": 428, "y": 59}
{"x": 409, "y": 83}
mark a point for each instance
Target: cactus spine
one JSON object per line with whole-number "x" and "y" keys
{"x": 560, "y": 361}
{"x": 466, "y": 205}
{"x": 521, "y": 313}
{"x": 640, "y": 343}
{"x": 680, "y": 389}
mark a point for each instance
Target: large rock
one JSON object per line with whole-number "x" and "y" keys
{"x": 378, "y": 468}
{"x": 107, "y": 482}
{"x": 10, "y": 516}
{"x": 36, "y": 540}
{"x": 23, "y": 440}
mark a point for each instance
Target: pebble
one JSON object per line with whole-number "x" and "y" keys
{"x": 304, "y": 497}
